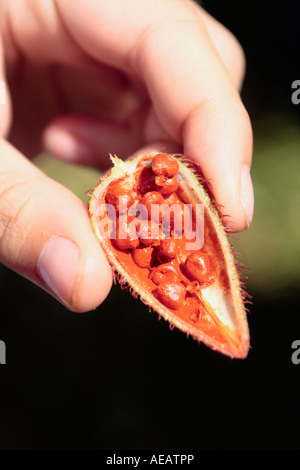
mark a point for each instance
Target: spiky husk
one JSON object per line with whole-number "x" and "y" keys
{"x": 233, "y": 326}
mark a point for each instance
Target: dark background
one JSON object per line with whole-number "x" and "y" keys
{"x": 117, "y": 378}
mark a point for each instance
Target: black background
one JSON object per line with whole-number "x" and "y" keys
{"x": 117, "y": 378}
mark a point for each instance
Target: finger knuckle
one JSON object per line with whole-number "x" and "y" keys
{"x": 14, "y": 217}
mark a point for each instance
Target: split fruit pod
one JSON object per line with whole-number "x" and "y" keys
{"x": 197, "y": 288}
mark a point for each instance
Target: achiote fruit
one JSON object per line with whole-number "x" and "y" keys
{"x": 164, "y": 237}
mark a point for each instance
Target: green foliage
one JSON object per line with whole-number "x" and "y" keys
{"x": 271, "y": 247}
{"x": 77, "y": 178}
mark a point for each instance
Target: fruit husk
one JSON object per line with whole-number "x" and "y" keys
{"x": 222, "y": 323}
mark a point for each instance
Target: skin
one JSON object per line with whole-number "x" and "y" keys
{"x": 89, "y": 77}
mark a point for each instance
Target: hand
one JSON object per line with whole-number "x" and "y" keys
{"x": 91, "y": 77}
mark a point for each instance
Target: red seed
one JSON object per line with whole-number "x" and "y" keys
{"x": 148, "y": 232}
{"x": 176, "y": 217}
{"x": 166, "y": 186}
{"x": 126, "y": 244}
{"x": 119, "y": 197}
{"x": 126, "y": 237}
{"x": 144, "y": 181}
{"x": 160, "y": 180}
{"x": 151, "y": 197}
{"x": 143, "y": 256}
{"x": 170, "y": 186}
{"x": 164, "y": 273}
{"x": 163, "y": 164}
{"x": 168, "y": 248}
{"x": 171, "y": 294}
{"x": 197, "y": 266}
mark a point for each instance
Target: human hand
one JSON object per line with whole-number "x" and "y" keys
{"x": 91, "y": 77}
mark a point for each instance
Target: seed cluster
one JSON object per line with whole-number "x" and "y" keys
{"x": 149, "y": 247}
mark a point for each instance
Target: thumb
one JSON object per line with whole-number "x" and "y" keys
{"x": 45, "y": 235}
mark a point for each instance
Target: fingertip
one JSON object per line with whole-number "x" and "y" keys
{"x": 234, "y": 196}
{"x": 247, "y": 195}
{"x": 80, "y": 279}
{"x": 63, "y": 143}
{"x": 218, "y": 136}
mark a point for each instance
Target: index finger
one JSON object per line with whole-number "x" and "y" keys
{"x": 198, "y": 105}
{"x": 167, "y": 45}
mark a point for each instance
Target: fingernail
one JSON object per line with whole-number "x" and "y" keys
{"x": 65, "y": 145}
{"x": 58, "y": 267}
{"x": 246, "y": 194}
